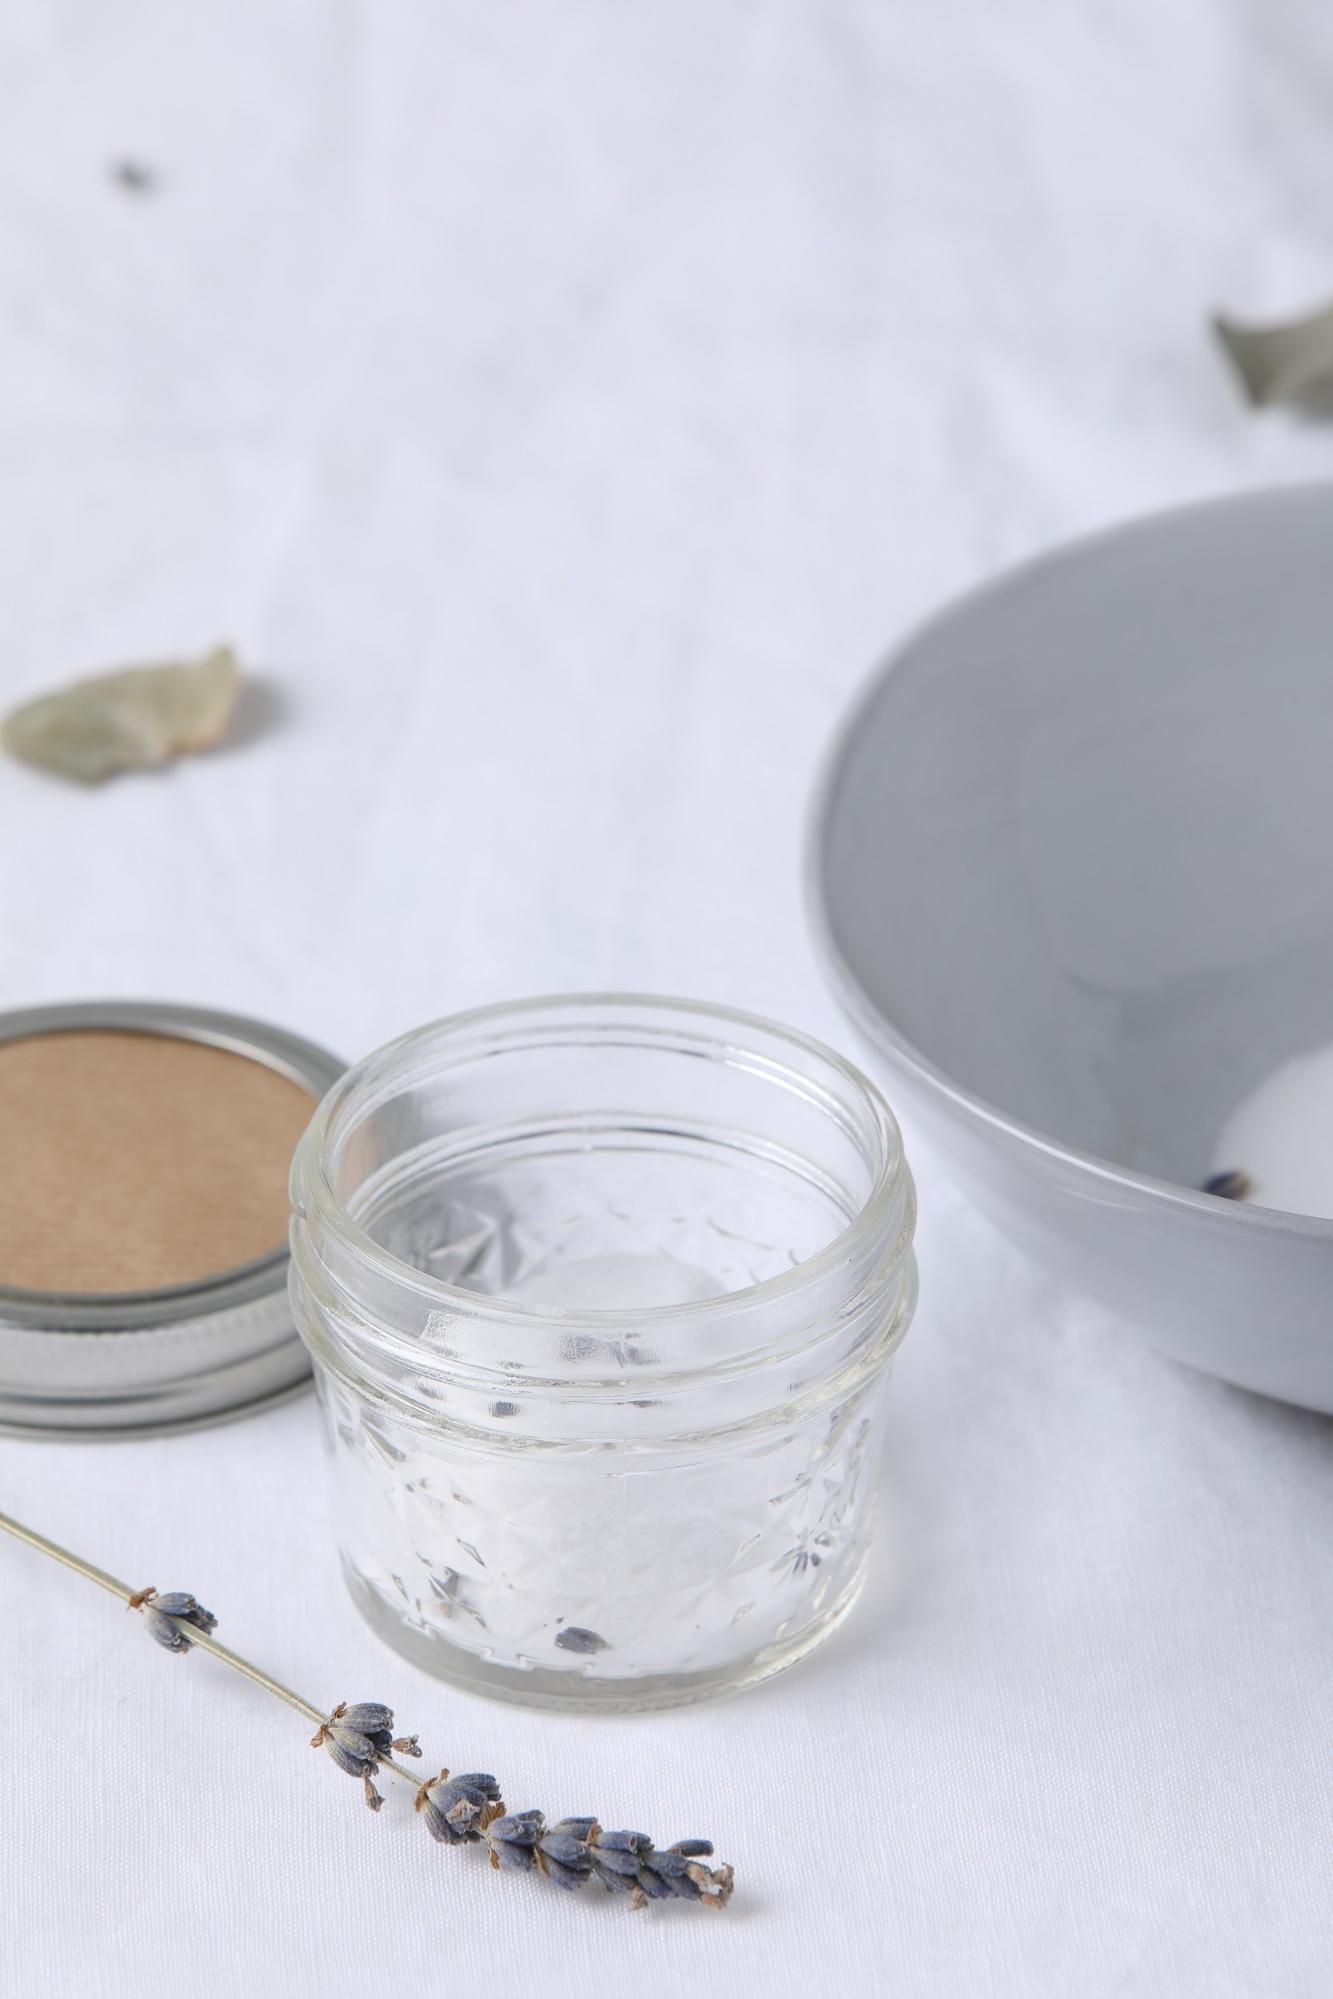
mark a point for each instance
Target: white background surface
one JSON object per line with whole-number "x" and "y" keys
{"x": 561, "y": 405}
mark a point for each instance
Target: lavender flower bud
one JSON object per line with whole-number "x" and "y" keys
{"x": 513, "y": 1838}
{"x": 1231, "y": 1186}
{"x": 626, "y": 1863}
{"x": 615, "y": 1859}
{"x": 165, "y": 1614}
{"x": 459, "y": 1809}
{"x": 562, "y": 1854}
{"x": 679, "y": 1870}
{"x": 357, "y": 1737}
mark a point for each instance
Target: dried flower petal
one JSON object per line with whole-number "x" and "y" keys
{"x": 621, "y": 1879}
{"x": 354, "y": 1757}
{"x": 460, "y": 1808}
{"x": 674, "y": 1868}
{"x": 563, "y": 1852}
{"x": 576, "y": 1850}
{"x": 559, "y": 1875}
{"x": 1230, "y": 1186}
{"x": 366, "y": 1717}
{"x": 513, "y": 1837}
{"x": 615, "y": 1857}
{"x": 576, "y": 1638}
{"x": 358, "y": 1737}
{"x": 649, "y": 1884}
{"x": 165, "y": 1613}
{"x": 623, "y": 1842}
{"x": 715, "y": 1884}
{"x": 678, "y": 1870}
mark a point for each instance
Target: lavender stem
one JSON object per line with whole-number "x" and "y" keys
{"x": 203, "y": 1639}
{"x": 569, "y": 1852}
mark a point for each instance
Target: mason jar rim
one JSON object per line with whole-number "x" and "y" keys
{"x": 312, "y": 1189}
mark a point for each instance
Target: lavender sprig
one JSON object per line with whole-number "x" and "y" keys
{"x": 577, "y": 1850}
{"x": 465, "y": 1810}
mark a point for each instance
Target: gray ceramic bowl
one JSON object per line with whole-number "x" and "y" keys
{"x": 1072, "y": 869}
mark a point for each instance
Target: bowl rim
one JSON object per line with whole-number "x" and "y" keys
{"x": 866, "y": 1017}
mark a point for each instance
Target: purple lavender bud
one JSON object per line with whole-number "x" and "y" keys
{"x": 674, "y": 1868}
{"x": 678, "y": 1871}
{"x": 615, "y": 1883}
{"x": 563, "y": 1854}
{"x": 179, "y": 1603}
{"x": 564, "y": 1847}
{"x": 575, "y": 1638}
{"x": 651, "y": 1887}
{"x": 513, "y": 1839}
{"x": 516, "y": 1858}
{"x": 561, "y": 1876}
{"x": 575, "y": 1850}
{"x": 367, "y": 1717}
{"x": 624, "y": 1842}
{"x": 357, "y": 1737}
{"x": 459, "y": 1809}
{"x": 164, "y": 1614}
{"x": 614, "y": 1865}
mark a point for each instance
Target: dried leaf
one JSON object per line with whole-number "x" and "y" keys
{"x": 1280, "y": 363}
{"x": 138, "y": 715}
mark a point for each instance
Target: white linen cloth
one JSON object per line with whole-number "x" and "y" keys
{"x": 561, "y": 405}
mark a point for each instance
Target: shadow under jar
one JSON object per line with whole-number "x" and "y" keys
{"x": 601, "y": 1295}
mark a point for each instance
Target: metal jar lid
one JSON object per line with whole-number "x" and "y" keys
{"x": 130, "y": 1363}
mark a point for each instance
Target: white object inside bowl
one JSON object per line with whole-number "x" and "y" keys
{"x": 1280, "y": 1137}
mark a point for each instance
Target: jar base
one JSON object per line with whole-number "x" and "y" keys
{"x": 574, "y": 1692}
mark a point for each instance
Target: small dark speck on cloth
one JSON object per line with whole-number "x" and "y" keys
{"x": 132, "y": 177}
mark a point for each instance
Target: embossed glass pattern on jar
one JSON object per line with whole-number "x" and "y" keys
{"x": 602, "y": 1295}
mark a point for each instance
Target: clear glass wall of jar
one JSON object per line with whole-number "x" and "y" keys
{"x": 602, "y": 1295}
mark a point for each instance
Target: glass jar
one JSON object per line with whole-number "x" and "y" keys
{"x": 601, "y": 1295}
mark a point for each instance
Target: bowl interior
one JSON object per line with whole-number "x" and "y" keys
{"x": 1075, "y": 845}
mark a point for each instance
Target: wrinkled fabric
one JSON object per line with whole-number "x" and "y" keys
{"x": 559, "y": 407}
